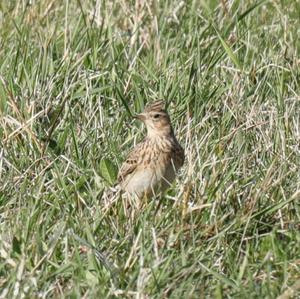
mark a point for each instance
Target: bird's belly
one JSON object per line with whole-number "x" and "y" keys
{"x": 149, "y": 181}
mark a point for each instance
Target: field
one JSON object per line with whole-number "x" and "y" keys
{"x": 72, "y": 75}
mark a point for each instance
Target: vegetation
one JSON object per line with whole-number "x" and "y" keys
{"x": 72, "y": 74}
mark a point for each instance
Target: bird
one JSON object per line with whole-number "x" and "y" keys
{"x": 151, "y": 166}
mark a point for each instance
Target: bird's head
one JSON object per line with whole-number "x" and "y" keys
{"x": 156, "y": 119}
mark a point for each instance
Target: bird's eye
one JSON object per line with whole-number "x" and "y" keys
{"x": 156, "y": 116}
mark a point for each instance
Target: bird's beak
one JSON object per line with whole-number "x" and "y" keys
{"x": 141, "y": 116}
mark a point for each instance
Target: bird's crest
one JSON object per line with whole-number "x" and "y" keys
{"x": 155, "y": 106}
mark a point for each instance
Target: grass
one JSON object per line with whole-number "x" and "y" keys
{"x": 72, "y": 73}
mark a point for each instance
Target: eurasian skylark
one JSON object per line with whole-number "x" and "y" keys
{"x": 152, "y": 164}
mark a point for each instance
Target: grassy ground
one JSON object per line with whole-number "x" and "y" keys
{"x": 71, "y": 75}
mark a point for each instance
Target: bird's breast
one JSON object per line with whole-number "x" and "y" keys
{"x": 151, "y": 177}
{"x": 156, "y": 168}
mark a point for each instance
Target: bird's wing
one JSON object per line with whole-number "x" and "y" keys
{"x": 178, "y": 154}
{"x": 131, "y": 162}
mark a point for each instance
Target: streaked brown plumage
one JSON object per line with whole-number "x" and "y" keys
{"x": 151, "y": 166}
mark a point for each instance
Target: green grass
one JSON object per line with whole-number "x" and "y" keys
{"x": 72, "y": 73}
